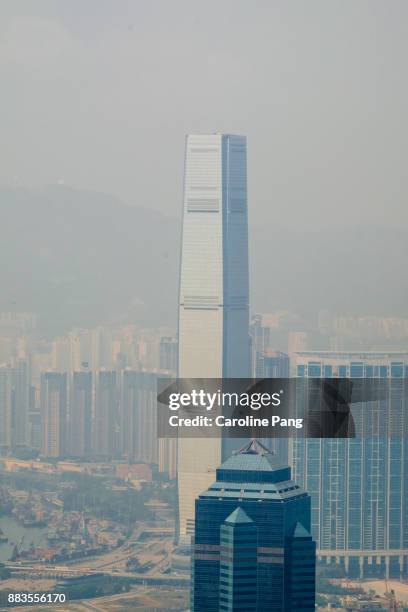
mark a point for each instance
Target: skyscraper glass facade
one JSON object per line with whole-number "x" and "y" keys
{"x": 359, "y": 487}
{"x": 238, "y": 563}
{"x": 252, "y": 530}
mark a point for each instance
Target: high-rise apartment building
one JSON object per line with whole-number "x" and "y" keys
{"x": 213, "y": 312}
{"x": 168, "y": 355}
{"x": 80, "y": 415}
{"x": 359, "y": 486}
{"x": 14, "y": 405}
{"x": 106, "y": 418}
{"x": 272, "y": 364}
{"x": 167, "y": 447}
{"x": 252, "y": 548}
{"x": 5, "y": 407}
{"x": 101, "y": 348}
{"x": 53, "y": 398}
{"x": 34, "y": 418}
{"x": 138, "y": 416}
{"x": 61, "y": 353}
{"x": 167, "y": 457}
{"x": 80, "y": 349}
{"x": 21, "y": 403}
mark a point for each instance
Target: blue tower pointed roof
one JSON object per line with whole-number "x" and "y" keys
{"x": 300, "y": 531}
{"x": 253, "y": 456}
{"x": 238, "y": 516}
{"x": 254, "y": 462}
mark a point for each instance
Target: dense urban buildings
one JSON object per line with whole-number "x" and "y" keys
{"x": 55, "y": 412}
{"x": 214, "y": 309}
{"x": 252, "y": 548}
{"x": 359, "y": 487}
{"x": 101, "y": 414}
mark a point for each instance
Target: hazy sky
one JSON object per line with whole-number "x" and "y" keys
{"x": 100, "y": 93}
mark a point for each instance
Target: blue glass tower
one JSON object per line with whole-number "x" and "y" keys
{"x": 359, "y": 487}
{"x": 252, "y": 548}
{"x": 238, "y": 562}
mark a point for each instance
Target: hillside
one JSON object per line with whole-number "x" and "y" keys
{"x": 80, "y": 259}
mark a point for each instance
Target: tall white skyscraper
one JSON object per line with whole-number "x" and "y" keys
{"x": 213, "y": 314}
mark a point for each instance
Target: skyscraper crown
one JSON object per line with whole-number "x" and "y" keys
{"x": 238, "y": 516}
{"x": 254, "y": 462}
{"x": 253, "y": 447}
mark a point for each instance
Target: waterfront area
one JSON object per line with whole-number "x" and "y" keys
{"x": 12, "y": 533}
{"x": 89, "y": 535}
{"x": 51, "y": 521}
{"x": 107, "y": 542}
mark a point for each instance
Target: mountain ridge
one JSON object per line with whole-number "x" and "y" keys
{"x": 80, "y": 258}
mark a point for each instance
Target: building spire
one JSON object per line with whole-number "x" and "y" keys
{"x": 253, "y": 447}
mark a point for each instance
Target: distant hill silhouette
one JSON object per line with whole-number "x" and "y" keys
{"x": 81, "y": 258}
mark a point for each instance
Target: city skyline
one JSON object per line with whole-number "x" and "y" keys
{"x": 204, "y": 197}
